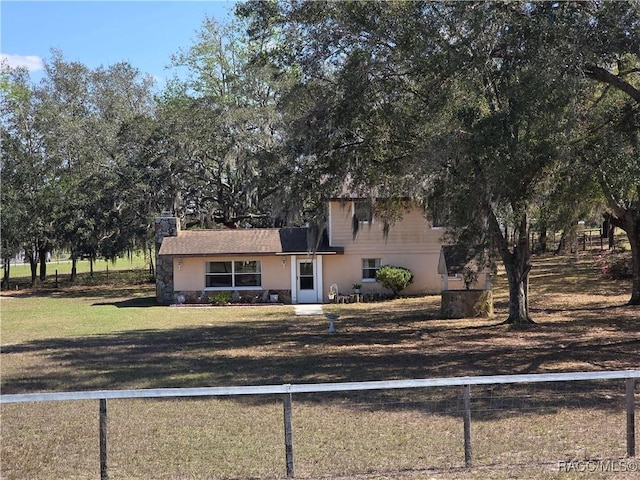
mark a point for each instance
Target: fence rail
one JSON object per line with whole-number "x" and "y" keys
{"x": 288, "y": 390}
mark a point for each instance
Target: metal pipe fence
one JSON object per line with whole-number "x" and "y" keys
{"x": 470, "y": 406}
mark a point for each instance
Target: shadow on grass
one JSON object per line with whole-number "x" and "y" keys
{"x": 131, "y": 303}
{"x": 105, "y": 291}
{"x": 299, "y": 350}
{"x": 594, "y": 309}
{"x": 578, "y": 273}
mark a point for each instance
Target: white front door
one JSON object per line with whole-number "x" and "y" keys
{"x": 307, "y": 281}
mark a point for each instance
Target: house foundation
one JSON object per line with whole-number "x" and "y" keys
{"x": 245, "y": 297}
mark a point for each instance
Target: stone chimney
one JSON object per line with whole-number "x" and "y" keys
{"x": 167, "y": 225}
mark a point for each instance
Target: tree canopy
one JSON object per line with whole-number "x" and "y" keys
{"x": 472, "y": 105}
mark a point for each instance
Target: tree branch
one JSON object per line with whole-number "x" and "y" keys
{"x": 601, "y": 75}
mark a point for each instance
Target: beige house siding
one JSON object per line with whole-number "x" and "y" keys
{"x": 457, "y": 282}
{"x": 345, "y": 270}
{"x": 189, "y": 272}
{"x": 412, "y": 234}
{"x": 411, "y": 243}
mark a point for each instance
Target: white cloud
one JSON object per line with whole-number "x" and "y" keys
{"x": 30, "y": 62}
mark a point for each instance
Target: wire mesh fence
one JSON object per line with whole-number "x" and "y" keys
{"x": 536, "y": 428}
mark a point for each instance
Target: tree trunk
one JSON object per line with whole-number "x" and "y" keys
{"x": 608, "y": 230}
{"x": 544, "y": 237}
{"x": 43, "y": 268}
{"x": 568, "y": 238}
{"x": 611, "y": 238}
{"x": 43, "y": 249}
{"x": 152, "y": 271}
{"x": 629, "y": 221}
{"x": 517, "y": 267}
{"x": 562, "y": 244}
{"x": 517, "y": 264}
{"x": 7, "y": 269}
{"x": 32, "y": 254}
{"x": 74, "y": 267}
{"x": 634, "y": 240}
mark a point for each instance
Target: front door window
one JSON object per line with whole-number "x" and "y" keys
{"x": 306, "y": 276}
{"x": 307, "y": 281}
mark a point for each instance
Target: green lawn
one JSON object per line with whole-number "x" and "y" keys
{"x": 123, "y": 270}
{"x": 113, "y": 336}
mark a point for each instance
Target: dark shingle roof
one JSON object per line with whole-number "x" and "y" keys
{"x": 250, "y": 241}
{"x": 454, "y": 258}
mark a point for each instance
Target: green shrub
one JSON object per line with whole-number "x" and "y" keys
{"x": 220, "y": 298}
{"x": 395, "y": 279}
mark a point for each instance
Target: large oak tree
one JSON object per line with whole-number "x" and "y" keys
{"x": 473, "y": 103}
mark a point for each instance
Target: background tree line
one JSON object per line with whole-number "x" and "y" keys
{"x": 507, "y": 116}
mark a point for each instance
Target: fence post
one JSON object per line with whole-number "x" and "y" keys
{"x": 104, "y": 475}
{"x": 466, "y": 399}
{"x": 288, "y": 435}
{"x": 631, "y": 427}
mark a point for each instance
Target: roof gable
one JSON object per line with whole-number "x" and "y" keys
{"x": 454, "y": 258}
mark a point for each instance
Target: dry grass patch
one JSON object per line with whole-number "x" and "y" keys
{"x": 415, "y": 434}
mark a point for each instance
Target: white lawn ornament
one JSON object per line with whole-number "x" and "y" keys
{"x": 332, "y": 317}
{"x": 333, "y": 292}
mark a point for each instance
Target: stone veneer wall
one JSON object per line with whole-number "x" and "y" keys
{"x": 466, "y": 303}
{"x": 243, "y": 297}
{"x": 166, "y": 226}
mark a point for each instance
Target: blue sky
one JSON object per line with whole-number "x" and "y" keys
{"x": 144, "y": 33}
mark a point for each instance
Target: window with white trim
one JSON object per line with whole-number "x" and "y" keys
{"x": 369, "y": 268}
{"x": 363, "y": 211}
{"x": 234, "y": 274}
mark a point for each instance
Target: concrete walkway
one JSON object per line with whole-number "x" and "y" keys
{"x": 313, "y": 309}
